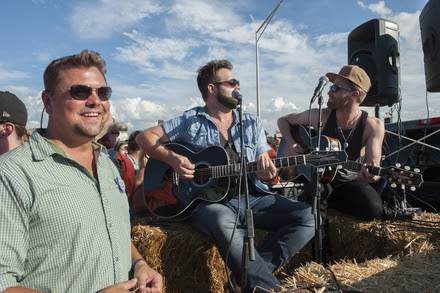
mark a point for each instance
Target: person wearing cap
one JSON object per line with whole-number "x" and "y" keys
{"x": 361, "y": 136}
{"x": 109, "y": 135}
{"x": 13, "y": 119}
{"x": 276, "y": 140}
{"x": 64, "y": 213}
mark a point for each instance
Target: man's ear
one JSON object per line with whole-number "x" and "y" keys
{"x": 7, "y": 129}
{"x": 47, "y": 101}
{"x": 211, "y": 88}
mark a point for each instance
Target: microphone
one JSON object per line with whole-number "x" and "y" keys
{"x": 236, "y": 95}
{"x": 323, "y": 80}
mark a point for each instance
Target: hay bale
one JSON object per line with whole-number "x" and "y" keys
{"x": 189, "y": 261}
{"x": 352, "y": 238}
{"x": 413, "y": 273}
{"x": 186, "y": 258}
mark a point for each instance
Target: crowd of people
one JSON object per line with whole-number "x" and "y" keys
{"x": 63, "y": 235}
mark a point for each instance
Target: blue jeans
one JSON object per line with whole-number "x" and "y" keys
{"x": 291, "y": 222}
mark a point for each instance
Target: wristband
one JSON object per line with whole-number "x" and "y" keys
{"x": 138, "y": 260}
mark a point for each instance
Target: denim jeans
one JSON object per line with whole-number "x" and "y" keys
{"x": 291, "y": 222}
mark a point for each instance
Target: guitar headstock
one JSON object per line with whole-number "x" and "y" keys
{"x": 325, "y": 158}
{"x": 396, "y": 175}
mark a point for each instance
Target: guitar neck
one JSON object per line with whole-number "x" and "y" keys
{"x": 252, "y": 167}
{"x": 355, "y": 166}
{"x": 315, "y": 158}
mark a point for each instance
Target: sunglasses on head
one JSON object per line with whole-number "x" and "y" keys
{"x": 335, "y": 87}
{"x": 83, "y": 92}
{"x": 231, "y": 83}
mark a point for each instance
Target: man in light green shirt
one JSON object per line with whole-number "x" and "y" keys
{"x": 64, "y": 220}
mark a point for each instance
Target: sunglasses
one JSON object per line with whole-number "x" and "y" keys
{"x": 335, "y": 87}
{"x": 83, "y": 92}
{"x": 231, "y": 83}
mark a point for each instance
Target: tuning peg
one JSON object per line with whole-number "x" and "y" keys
{"x": 339, "y": 167}
{"x": 393, "y": 185}
{"x": 407, "y": 168}
{"x": 413, "y": 188}
{"x": 416, "y": 170}
{"x": 398, "y": 165}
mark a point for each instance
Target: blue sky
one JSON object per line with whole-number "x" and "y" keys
{"x": 153, "y": 49}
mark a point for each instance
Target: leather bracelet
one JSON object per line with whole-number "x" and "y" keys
{"x": 138, "y": 260}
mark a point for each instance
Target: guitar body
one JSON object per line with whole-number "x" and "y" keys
{"x": 308, "y": 143}
{"x": 168, "y": 195}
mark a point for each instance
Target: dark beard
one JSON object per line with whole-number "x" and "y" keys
{"x": 226, "y": 101}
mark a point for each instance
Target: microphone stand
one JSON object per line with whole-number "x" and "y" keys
{"x": 248, "y": 253}
{"x": 316, "y": 204}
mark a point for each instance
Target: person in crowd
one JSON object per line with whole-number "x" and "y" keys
{"x": 109, "y": 135}
{"x": 64, "y": 213}
{"x": 361, "y": 136}
{"x": 133, "y": 150}
{"x": 122, "y": 147}
{"x": 137, "y": 198}
{"x": 217, "y": 123}
{"x": 276, "y": 140}
{"x": 13, "y": 119}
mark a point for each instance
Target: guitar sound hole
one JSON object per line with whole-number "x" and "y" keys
{"x": 201, "y": 175}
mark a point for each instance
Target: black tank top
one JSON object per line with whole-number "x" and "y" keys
{"x": 354, "y": 141}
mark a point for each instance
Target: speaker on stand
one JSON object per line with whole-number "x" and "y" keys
{"x": 374, "y": 47}
{"x": 430, "y": 30}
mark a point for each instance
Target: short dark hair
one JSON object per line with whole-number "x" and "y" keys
{"x": 208, "y": 74}
{"x": 132, "y": 145}
{"x": 84, "y": 59}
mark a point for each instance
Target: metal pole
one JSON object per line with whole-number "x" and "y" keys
{"x": 258, "y": 75}
{"x": 257, "y": 38}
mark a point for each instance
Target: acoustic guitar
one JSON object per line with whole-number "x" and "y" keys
{"x": 168, "y": 195}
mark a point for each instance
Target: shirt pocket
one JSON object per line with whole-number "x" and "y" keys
{"x": 197, "y": 136}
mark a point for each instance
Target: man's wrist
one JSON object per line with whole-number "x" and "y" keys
{"x": 137, "y": 261}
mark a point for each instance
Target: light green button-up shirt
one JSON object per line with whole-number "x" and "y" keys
{"x": 61, "y": 230}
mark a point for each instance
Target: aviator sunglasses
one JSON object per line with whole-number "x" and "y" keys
{"x": 83, "y": 92}
{"x": 335, "y": 87}
{"x": 231, "y": 83}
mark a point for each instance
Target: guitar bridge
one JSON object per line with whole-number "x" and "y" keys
{"x": 176, "y": 180}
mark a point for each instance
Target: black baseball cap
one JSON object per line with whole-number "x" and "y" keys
{"x": 12, "y": 109}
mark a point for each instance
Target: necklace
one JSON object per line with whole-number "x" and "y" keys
{"x": 346, "y": 139}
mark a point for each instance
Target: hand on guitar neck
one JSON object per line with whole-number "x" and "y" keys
{"x": 364, "y": 174}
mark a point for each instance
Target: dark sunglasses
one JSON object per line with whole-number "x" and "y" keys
{"x": 335, "y": 87}
{"x": 231, "y": 83}
{"x": 83, "y": 92}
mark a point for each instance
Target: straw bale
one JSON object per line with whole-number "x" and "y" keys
{"x": 412, "y": 273}
{"x": 188, "y": 259}
{"x": 353, "y": 238}
{"x": 182, "y": 255}
{"x": 189, "y": 262}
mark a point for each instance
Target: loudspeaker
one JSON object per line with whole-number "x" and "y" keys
{"x": 374, "y": 46}
{"x": 430, "y": 30}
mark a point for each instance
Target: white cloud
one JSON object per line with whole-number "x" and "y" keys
{"x": 98, "y": 20}
{"x": 378, "y": 8}
{"x": 329, "y": 40}
{"x": 7, "y": 74}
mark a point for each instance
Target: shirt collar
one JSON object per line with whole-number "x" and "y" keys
{"x": 42, "y": 147}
